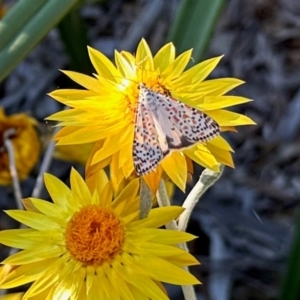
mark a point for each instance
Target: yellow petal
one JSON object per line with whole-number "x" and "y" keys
{"x": 217, "y": 102}
{"x": 164, "y": 57}
{"x": 71, "y": 94}
{"x": 70, "y": 114}
{"x": 170, "y": 237}
{"x": 80, "y": 191}
{"x": 159, "y": 216}
{"x": 202, "y": 156}
{"x": 57, "y": 190}
{"x": 112, "y": 145}
{"x": 29, "y": 205}
{"x": 158, "y": 250}
{"x": 32, "y": 219}
{"x": 124, "y": 66}
{"x": 166, "y": 272}
{"x": 152, "y": 179}
{"x": 115, "y": 171}
{"x": 119, "y": 284}
{"x": 129, "y": 57}
{"x": 25, "y": 274}
{"x": 65, "y": 131}
{"x": 228, "y": 128}
{"x": 77, "y": 135}
{"x": 102, "y": 64}
{"x": 183, "y": 260}
{"x": 36, "y": 254}
{"x": 144, "y": 59}
{"x": 50, "y": 277}
{"x": 92, "y": 169}
{"x": 88, "y": 82}
{"x": 212, "y": 87}
{"x": 107, "y": 195}
{"x": 52, "y": 236}
{"x": 228, "y": 118}
{"x": 176, "y": 168}
{"x": 86, "y": 135}
{"x": 49, "y": 209}
{"x": 128, "y": 166}
{"x": 146, "y": 285}
{"x": 125, "y": 155}
{"x": 12, "y": 238}
{"x": 129, "y": 192}
{"x": 222, "y": 156}
{"x": 220, "y": 142}
{"x": 97, "y": 181}
{"x": 138, "y": 294}
{"x": 198, "y": 72}
{"x": 218, "y": 87}
{"x": 175, "y": 69}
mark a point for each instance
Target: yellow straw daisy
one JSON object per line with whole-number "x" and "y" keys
{"x": 106, "y": 112}
{"x": 26, "y": 144}
{"x": 89, "y": 244}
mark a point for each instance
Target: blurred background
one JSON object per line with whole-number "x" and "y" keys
{"x": 249, "y": 241}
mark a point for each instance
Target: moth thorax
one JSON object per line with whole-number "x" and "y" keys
{"x": 151, "y": 100}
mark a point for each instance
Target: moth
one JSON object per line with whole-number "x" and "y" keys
{"x": 163, "y": 124}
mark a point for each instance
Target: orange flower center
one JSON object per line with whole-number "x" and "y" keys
{"x": 94, "y": 235}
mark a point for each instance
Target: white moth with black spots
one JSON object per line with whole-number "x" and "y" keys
{"x": 163, "y": 124}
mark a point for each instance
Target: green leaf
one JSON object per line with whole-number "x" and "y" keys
{"x": 16, "y": 19}
{"x": 21, "y": 42}
{"x": 291, "y": 285}
{"x": 194, "y": 25}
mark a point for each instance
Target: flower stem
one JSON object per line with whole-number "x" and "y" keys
{"x": 39, "y": 183}
{"x": 146, "y": 199}
{"x": 12, "y": 166}
{"x": 206, "y": 180}
{"x": 163, "y": 200}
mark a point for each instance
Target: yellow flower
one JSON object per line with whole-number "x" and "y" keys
{"x": 25, "y": 141}
{"x": 85, "y": 245}
{"x": 105, "y": 112}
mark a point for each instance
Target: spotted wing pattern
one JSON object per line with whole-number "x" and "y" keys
{"x": 163, "y": 124}
{"x": 148, "y": 147}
